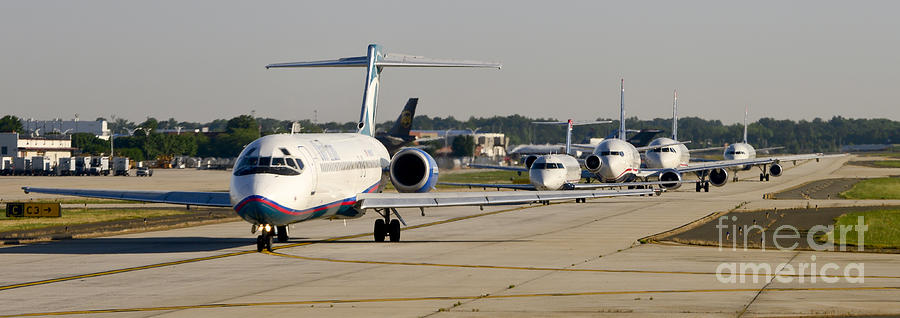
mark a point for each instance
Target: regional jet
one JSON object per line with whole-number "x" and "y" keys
{"x": 288, "y": 178}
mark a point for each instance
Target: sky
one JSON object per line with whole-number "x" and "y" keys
{"x": 203, "y": 60}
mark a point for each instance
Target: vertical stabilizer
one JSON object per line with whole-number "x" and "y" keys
{"x": 622, "y": 111}
{"x": 569, "y": 137}
{"x": 746, "y": 110}
{"x": 404, "y": 121}
{"x": 366, "y": 124}
{"x": 675, "y": 116}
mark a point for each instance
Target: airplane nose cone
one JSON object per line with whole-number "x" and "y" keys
{"x": 256, "y": 201}
{"x": 612, "y": 169}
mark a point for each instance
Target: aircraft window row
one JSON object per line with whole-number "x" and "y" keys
{"x": 545, "y": 165}
{"x": 664, "y": 149}
{"x": 612, "y": 153}
{"x": 349, "y": 165}
{"x": 272, "y": 165}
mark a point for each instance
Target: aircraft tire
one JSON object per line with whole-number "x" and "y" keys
{"x": 259, "y": 243}
{"x": 379, "y": 231}
{"x": 282, "y": 234}
{"x": 767, "y": 177}
{"x": 268, "y": 242}
{"x": 395, "y": 230}
{"x": 698, "y": 185}
{"x": 706, "y": 187}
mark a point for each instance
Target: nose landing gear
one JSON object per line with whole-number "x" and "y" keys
{"x": 267, "y": 232}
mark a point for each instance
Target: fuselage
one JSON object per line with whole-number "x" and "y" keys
{"x": 620, "y": 160}
{"x": 289, "y": 178}
{"x": 554, "y": 172}
{"x": 670, "y": 157}
{"x": 738, "y": 151}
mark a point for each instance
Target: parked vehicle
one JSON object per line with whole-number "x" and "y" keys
{"x": 66, "y": 167}
{"x": 82, "y": 166}
{"x": 40, "y": 166}
{"x": 99, "y": 166}
{"x": 120, "y": 166}
{"x": 144, "y": 172}
{"x": 6, "y": 166}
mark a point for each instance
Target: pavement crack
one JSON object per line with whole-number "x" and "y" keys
{"x": 744, "y": 311}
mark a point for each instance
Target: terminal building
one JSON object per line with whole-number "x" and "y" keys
{"x": 51, "y": 146}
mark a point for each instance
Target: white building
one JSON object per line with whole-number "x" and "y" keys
{"x": 98, "y": 128}
{"x": 52, "y": 146}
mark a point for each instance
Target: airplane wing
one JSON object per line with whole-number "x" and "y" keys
{"x": 749, "y": 162}
{"x": 443, "y": 199}
{"x": 705, "y": 149}
{"x": 219, "y": 199}
{"x": 490, "y": 185}
{"x": 584, "y": 147}
{"x": 577, "y": 186}
{"x": 510, "y": 168}
{"x": 661, "y": 146}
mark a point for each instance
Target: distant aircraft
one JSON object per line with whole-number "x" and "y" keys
{"x": 670, "y": 163}
{"x": 399, "y": 137}
{"x": 552, "y": 171}
{"x": 288, "y": 178}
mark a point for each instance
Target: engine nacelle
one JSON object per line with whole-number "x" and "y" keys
{"x": 530, "y": 161}
{"x": 413, "y": 170}
{"x": 776, "y": 170}
{"x": 593, "y": 163}
{"x": 670, "y": 175}
{"x": 718, "y": 177}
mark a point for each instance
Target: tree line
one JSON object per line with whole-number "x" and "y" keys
{"x": 226, "y": 138}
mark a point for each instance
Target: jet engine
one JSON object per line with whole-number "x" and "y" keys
{"x": 670, "y": 175}
{"x": 776, "y": 170}
{"x": 593, "y": 163}
{"x": 413, "y": 170}
{"x": 718, "y": 177}
{"x": 529, "y": 161}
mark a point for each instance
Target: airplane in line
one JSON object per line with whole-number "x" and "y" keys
{"x": 618, "y": 161}
{"x": 282, "y": 179}
{"x": 552, "y": 171}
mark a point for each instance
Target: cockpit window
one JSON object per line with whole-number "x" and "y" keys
{"x": 732, "y": 152}
{"x": 539, "y": 165}
{"x": 271, "y": 165}
{"x": 612, "y": 153}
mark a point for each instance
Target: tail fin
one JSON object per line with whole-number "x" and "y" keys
{"x": 622, "y": 112}
{"x": 374, "y": 61}
{"x": 746, "y": 110}
{"x": 675, "y": 116}
{"x": 569, "y": 126}
{"x": 404, "y": 121}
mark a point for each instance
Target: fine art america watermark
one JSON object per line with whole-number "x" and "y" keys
{"x": 788, "y": 238}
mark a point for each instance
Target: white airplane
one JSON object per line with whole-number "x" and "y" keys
{"x": 552, "y": 171}
{"x": 670, "y": 163}
{"x": 288, "y": 178}
{"x": 615, "y": 160}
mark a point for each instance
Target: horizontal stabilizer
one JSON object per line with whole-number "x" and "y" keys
{"x": 391, "y": 59}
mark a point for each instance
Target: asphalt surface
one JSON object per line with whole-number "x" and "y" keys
{"x": 557, "y": 260}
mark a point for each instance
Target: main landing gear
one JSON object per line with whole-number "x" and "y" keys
{"x": 702, "y": 185}
{"x": 386, "y": 226}
{"x": 763, "y": 174}
{"x": 267, "y": 233}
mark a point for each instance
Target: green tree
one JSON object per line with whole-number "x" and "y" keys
{"x": 90, "y": 144}
{"x": 463, "y": 146}
{"x": 10, "y": 123}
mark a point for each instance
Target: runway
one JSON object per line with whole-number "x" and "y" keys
{"x": 558, "y": 260}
